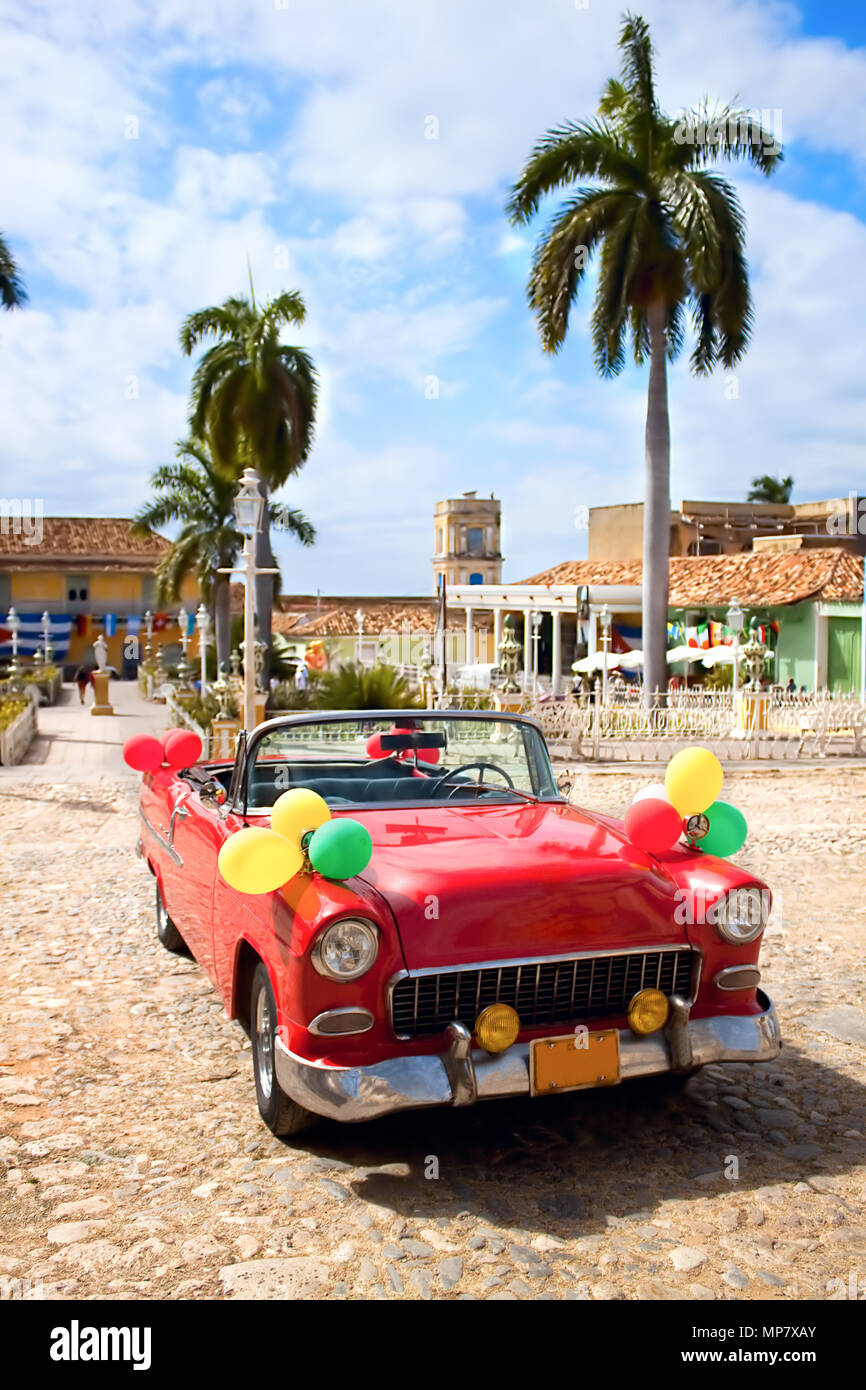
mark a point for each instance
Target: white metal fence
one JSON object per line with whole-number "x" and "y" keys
{"x": 779, "y": 725}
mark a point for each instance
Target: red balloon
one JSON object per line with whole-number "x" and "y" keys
{"x": 181, "y": 748}
{"x": 429, "y": 755}
{"x": 143, "y": 753}
{"x": 653, "y": 824}
{"x": 374, "y": 747}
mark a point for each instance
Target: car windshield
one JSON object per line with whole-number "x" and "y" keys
{"x": 395, "y": 759}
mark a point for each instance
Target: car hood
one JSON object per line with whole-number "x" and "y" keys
{"x": 469, "y": 884}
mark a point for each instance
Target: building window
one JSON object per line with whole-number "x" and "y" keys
{"x": 474, "y": 540}
{"x": 5, "y": 593}
{"x": 476, "y": 578}
{"x": 77, "y": 588}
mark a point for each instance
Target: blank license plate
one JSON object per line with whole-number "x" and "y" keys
{"x": 574, "y": 1062}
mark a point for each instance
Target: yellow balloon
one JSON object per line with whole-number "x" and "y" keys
{"x": 693, "y": 780}
{"x": 257, "y": 860}
{"x": 298, "y": 811}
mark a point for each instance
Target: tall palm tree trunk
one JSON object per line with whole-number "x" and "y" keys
{"x": 222, "y": 620}
{"x": 264, "y": 587}
{"x": 657, "y": 511}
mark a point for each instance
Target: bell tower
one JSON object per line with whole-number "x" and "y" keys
{"x": 467, "y": 541}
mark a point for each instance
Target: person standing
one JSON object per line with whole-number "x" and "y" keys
{"x": 84, "y": 678}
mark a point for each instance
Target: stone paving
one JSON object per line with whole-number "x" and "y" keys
{"x": 136, "y": 1165}
{"x": 73, "y": 745}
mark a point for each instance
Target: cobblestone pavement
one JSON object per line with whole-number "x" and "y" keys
{"x": 136, "y": 1165}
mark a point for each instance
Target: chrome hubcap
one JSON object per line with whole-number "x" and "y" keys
{"x": 264, "y": 1044}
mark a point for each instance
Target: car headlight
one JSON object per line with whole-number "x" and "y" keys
{"x": 346, "y": 949}
{"x": 741, "y": 915}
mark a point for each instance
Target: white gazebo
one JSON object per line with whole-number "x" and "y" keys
{"x": 559, "y": 600}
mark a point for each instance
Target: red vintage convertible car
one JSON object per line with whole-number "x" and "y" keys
{"x": 500, "y": 942}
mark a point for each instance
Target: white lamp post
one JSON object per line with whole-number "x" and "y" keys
{"x": 359, "y": 619}
{"x": 605, "y": 620}
{"x": 249, "y": 505}
{"x": 735, "y": 621}
{"x": 148, "y": 627}
{"x": 536, "y": 634}
{"x": 13, "y": 622}
{"x": 202, "y": 622}
{"x": 46, "y": 634}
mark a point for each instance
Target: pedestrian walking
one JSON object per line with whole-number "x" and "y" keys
{"x": 84, "y": 678}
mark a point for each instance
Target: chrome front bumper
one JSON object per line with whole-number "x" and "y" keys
{"x": 462, "y": 1075}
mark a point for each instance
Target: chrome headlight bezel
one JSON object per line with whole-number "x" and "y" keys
{"x": 368, "y": 931}
{"x": 741, "y": 914}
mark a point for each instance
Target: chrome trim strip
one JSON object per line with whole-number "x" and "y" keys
{"x": 648, "y": 948}
{"x": 364, "y": 1017}
{"x": 405, "y": 1083}
{"x": 166, "y": 844}
{"x": 737, "y": 977}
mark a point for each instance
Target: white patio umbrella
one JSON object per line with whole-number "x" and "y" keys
{"x": 718, "y": 656}
{"x": 630, "y": 661}
{"x": 685, "y": 653}
{"x": 596, "y": 662}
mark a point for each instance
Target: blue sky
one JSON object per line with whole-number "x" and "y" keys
{"x": 296, "y": 134}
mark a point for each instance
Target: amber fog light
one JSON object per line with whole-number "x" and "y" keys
{"x": 648, "y": 1011}
{"x": 496, "y": 1027}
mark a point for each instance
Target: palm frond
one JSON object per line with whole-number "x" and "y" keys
{"x": 573, "y": 152}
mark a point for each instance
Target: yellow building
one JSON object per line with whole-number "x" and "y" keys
{"x": 466, "y": 541}
{"x": 91, "y": 575}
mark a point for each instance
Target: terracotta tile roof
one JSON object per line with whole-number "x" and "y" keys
{"x": 755, "y": 579}
{"x": 87, "y": 542}
{"x": 380, "y": 616}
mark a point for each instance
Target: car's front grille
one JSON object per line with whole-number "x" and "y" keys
{"x": 542, "y": 991}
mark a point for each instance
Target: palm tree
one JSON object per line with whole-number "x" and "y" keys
{"x": 356, "y": 687}
{"x": 254, "y": 400}
{"x": 770, "y": 489}
{"x": 669, "y": 239}
{"x": 201, "y": 497}
{"x": 12, "y": 291}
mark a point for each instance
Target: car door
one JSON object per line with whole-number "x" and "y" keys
{"x": 198, "y": 832}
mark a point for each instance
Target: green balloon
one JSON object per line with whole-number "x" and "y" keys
{"x": 727, "y": 832}
{"x": 340, "y": 848}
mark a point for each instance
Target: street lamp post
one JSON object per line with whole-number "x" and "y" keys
{"x": 605, "y": 620}
{"x": 148, "y": 627}
{"x": 248, "y": 506}
{"x": 46, "y": 635}
{"x": 359, "y": 619}
{"x": 535, "y": 621}
{"x": 13, "y": 622}
{"x": 202, "y": 622}
{"x": 735, "y": 621}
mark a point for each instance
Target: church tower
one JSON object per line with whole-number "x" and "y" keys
{"x": 466, "y": 541}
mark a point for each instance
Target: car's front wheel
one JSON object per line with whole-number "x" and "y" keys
{"x": 165, "y": 928}
{"x": 281, "y": 1114}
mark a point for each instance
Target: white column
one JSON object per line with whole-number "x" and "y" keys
{"x": 470, "y": 645}
{"x": 556, "y": 657}
{"x": 497, "y": 633}
{"x": 527, "y": 648}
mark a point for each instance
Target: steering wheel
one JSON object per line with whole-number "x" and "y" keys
{"x": 460, "y": 786}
